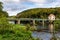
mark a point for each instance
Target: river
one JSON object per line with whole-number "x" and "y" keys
{"x": 43, "y": 35}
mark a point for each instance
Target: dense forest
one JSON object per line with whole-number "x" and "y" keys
{"x": 39, "y": 13}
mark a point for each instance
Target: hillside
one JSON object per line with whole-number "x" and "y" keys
{"x": 39, "y": 13}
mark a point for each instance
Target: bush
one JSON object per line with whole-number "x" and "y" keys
{"x": 13, "y": 31}
{"x": 57, "y": 25}
{"x": 16, "y": 33}
{"x": 31, "y": 28}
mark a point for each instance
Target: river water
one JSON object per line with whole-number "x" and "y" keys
{"x": 44, "y": 35}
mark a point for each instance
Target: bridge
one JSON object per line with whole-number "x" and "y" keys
{"x": 18, "y": 21}
{"x": 26, "y": 19}
{"x": 33, "y": 20}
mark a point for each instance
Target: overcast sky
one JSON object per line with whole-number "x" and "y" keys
{"x": 15, "y": 6}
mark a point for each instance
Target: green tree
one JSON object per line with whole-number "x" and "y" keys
{"x": 1, "y": 6}
{"x": 2, "y": 13}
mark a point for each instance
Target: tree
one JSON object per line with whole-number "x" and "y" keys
{"x": 3, "y": 18}
{"x": 2, "y": 13}
{"x": 1, "y": 6}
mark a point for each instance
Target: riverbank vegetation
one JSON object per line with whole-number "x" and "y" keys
{"x": 12, "y": 31}
{"x": 57, "y": 25}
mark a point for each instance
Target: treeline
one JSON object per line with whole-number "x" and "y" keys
{"x": 2, "y": 13}
{"x": 39, "y": 13}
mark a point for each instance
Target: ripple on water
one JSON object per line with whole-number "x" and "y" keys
{"x": 43, "y": 35}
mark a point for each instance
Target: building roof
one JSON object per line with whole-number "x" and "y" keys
{"x": 51, "y": 15}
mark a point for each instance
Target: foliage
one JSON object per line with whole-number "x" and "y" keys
{"x": 31, "y": 28}
{"x": 2, "y": 13}
{"x": 57, "y": 25}
{"x": 13, "y": 31}
{"x": 1, "y": 6}
{"x": 4, "y": 25}
{"x": 16, "y": 33}
{"x": 39, "y": 13}
{"x": 12, "y": 17}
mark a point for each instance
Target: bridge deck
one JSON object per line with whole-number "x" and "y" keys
{"x": 28, "y": 19}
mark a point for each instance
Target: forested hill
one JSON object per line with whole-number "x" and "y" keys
{"x": 39, "y": 13}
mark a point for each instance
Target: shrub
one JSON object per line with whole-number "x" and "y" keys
{"x": 13, "y": 31}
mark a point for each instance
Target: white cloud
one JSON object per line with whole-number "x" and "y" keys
{"x": 14, "y": 6}
{"x": 12, "y": 1}
{"x": 12, "y": 13}
{"x": 55, "y": 4}
{"x": 0, "y": 0}
{"x": 38, "y": 1}
{"x": 46, "y": 4}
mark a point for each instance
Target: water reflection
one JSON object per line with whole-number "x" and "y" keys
{"x": 43, "y": 35}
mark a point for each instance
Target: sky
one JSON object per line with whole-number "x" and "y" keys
{"x": 15, "y": 6}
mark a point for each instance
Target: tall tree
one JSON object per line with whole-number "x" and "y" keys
{"x": 2, "y": 13}
{"x": 1, "y": 7}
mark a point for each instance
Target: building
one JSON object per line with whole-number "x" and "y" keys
{"x": 51, "y": 17}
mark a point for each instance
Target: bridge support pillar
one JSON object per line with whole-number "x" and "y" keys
{"x": 18, "y": 22}
{"x": 33, "y": 23}
{"x": 43, "y": 23}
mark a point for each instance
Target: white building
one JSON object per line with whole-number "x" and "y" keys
{"x": 51, "y": 17}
